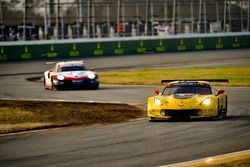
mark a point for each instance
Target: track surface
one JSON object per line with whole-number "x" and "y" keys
{"x": 137, "y": 143}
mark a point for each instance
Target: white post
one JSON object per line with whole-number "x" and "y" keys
{"x": 118, "y": 17}
{"x": 152, "y": 17}
{"x": 174, "y": 10}
{"x": 205, "y": 18}
{"x": 62, "y": 22}
{"x": 241, "y": 16}
{"x": 165, "y": 11}
{"x": 248, "y": 15}
{"x": 108, "y": 20}
{"x": 192, "y": 16}
{"x": 93, "y": 19}
{"x": 225, "y": 15}
{"x": 147, "y": 17}
{"x": 45, "y": 20}
{"x": 24, "y": 19}
{"x": 1, "y": 12}
{"x": 179, "y": 17}
{"x": 123, "y": 17}
{"x": 229, "y": 17}
{"x": 88, "y": 19}
{"x": 77, "y": 19}
{"x": 199, "y": 21}
{"x": 70, "y": 31}
{"x": 137, "y": 18}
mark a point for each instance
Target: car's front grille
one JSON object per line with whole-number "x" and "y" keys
{"x": 180, "y": 113}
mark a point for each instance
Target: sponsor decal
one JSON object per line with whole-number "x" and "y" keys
{"x": 219, "y": 44}
{"x": 52, "y": 53}
{"x": 3, "y": 56}
{"x": 74, "y": 52}
{"x": 119, "y": 49}
{"x": 98, "y": 50}
{"x": 200, "y": 45}
{"x": 141, "y": 49}
{"x": 181, "y": 46}
{"x": 161, "y": 47}
{"x": 236, "y": 43}
{"x": 26, "y": 55}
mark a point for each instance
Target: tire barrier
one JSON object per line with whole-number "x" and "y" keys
{"x": 81, "y": 48}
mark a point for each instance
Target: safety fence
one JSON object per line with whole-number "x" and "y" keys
{"x": 82, "y": 48}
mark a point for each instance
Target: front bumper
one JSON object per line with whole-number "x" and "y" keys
{"x": 164, "y": 113}
{"x": 85, "y": 83}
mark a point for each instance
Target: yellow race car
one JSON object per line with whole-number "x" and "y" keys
{"x": 185, "y": 99}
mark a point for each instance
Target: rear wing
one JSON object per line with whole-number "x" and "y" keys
{"x": 187, "y": 80}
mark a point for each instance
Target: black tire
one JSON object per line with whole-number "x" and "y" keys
{"x": 219, "y": 113}
{"x": 44, "y": 82}
{"x": 224, "y": 113}
{"x": 151, "y": 119}
{"x": 95, "y": 86}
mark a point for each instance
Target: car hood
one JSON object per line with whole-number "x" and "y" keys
{"x": 76, "y": 74}
{"x": 183, "y": 101}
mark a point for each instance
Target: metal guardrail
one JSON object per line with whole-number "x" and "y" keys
{"x": 81, "y": 48}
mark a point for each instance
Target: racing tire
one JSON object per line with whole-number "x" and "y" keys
{"x": 44, "y": 83}
{"x": 224, "y": 113}
{"x": 151, "y": 119}
{"x": 219, "y": 113}
{"x": 95, "y": 86}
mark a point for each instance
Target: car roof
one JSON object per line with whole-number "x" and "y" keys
{"x": 70, "y": 63}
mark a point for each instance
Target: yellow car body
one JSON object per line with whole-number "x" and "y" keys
{"x": 188, "y": 99}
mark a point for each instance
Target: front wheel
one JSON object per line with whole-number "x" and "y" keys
{"x": 95, "y": 86}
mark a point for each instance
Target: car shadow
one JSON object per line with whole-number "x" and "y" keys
{"x": 228, "y": 118}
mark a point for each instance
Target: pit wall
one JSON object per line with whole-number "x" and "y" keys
{"x": 81, "y": 48}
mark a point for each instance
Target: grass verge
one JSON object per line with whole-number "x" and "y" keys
{"x": 16, "y": 116}
{"x": 238, "y": 76}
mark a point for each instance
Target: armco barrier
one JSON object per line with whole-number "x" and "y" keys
{"x": 81, "y": 48}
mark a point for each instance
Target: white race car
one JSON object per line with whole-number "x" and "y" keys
{"x": 71, "y": 74}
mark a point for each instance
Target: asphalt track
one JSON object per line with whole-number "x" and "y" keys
{"x": 136, "y": 143}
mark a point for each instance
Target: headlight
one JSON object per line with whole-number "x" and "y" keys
{"x": 60, "y": 77}
{"x": 158, "y": 102}
{"x": 91, "y": 75}
{"x": 207, "y": 101}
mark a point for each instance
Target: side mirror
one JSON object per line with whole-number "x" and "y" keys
{"x": 92, "y": 69}
{"x": 220, "y": 91}
{"x": 156, "y": 92}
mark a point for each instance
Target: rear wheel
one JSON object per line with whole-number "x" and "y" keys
{"x": 44, "y": 83}
{"x": 224, "y": 113}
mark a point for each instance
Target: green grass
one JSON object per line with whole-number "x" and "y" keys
{"x": 238, "y": 76}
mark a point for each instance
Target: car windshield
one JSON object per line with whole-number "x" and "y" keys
{"x": 71, "y": 68}
{"x": 188, "y": 89}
